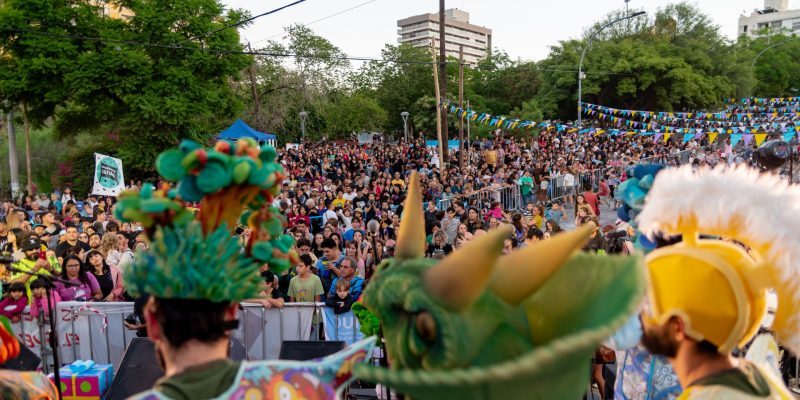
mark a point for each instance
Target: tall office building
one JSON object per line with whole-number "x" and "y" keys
{"x": 420, "y": 29}
{"x": 775, "y": 17}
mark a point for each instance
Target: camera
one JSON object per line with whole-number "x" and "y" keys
{"x": 132, "y": 319}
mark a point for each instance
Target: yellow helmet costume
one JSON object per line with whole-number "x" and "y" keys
{"x": 717, "y": 288}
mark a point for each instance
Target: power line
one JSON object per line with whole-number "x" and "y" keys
{"x": 242, "y": 22}
{"x": 321, "y": 19}
{"x": 267, "y": 54}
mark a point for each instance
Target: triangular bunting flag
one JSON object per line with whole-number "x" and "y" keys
{"x": 788, "y": 136}
{"x": 760, "y": 138}
{"x": 735, "y": 138}
{"x": 712, "y": 137}
{"x": 748, "y": 138}
{"x": 666, "y": 137}
{"x": 687, "y": 137}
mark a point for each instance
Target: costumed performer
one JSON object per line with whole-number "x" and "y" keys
{"x": 708, "y": 296}
{"x": 196, "y": 274}
{"x": 476, "y": 325}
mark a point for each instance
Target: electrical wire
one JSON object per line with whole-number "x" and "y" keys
{"x": 271, "y": 54}
{"x": 319, "y": 20}
{"x": 242, "y": 22}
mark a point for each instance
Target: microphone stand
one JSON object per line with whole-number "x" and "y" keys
{"x": 49, "y": 285}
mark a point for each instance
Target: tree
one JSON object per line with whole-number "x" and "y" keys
{"x": 356, "y": 113}
{"x": 306, "y": 74}
{"x": 677, "y": 60}
{"x": 776, "y": 72}
{"x": 139, "y": 85}
{"x": 399, "y": 83}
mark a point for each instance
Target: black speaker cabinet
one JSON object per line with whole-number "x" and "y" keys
{"x": 138, "y": 371}
{"x": 303, "y": 350}
{"x": 26, "y": 361}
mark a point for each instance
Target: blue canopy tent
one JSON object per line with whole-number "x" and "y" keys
{"x": 240, "y": 129}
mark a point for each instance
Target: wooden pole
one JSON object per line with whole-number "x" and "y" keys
{"x": 443, "y": 79}
{"x": 27, "y": 146}
{"x": 461, "y": 106}
{"x": 252, "y": 72}
{"x": 438, "y": 109}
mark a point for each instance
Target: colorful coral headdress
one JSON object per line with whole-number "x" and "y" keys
{"x": 198, "y": 256}
{"x": 715, "y": 286}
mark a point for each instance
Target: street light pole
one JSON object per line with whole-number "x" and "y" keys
{"x": 581, "y": 75}
{"x": 753, "y": 64}
{"x": 303, "y": 115}
{"x": 404, "y": 114}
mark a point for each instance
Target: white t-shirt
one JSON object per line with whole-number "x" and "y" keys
{"x": 569, "y": 180}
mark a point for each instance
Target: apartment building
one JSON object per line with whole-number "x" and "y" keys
{"x": 775, "y": 16}
{"x": 420, "y": 29}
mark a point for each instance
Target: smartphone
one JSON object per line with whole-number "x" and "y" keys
{"x": 42, "y": 255}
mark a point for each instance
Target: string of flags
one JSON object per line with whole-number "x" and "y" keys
{"x": 720, "y": 118}
{"x": 661, "y": 133}
{"x": 764, "y": 100}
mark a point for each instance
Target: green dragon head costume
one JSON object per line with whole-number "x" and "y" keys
{"x": 479, "y": 326}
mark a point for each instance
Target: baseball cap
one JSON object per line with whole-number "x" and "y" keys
{"x": 31, "y": 244}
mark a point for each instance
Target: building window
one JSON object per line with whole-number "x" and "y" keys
{"x": 744, "y": 29}
{"x": 776, "y": 24}
{"x": 796, "y": 25}
{"x": 763, "y": 25}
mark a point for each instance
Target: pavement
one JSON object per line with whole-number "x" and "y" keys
{"x": 608, "y": 216}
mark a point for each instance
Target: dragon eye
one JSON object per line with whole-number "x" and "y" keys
{"x": 426, "y": 326}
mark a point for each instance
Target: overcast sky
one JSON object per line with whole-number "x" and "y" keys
{"x": 524, "y": 29}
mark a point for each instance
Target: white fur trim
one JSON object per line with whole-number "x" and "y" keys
{"x": 767, "y": 207}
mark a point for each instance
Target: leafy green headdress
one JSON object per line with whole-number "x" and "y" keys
{"x": 197, "y": 256}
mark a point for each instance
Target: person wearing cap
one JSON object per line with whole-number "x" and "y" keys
{"x": 32, "y": 263}
{"x": 707, "y": 297}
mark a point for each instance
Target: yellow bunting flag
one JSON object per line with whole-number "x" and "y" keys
{"x": 712, "y": 137}
{"x": 760, "y": 138}
{"x": 666, "y": 137}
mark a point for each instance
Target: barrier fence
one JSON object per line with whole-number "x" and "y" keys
{"x": 509, "y": 196}
{"x": 96, "y": 331}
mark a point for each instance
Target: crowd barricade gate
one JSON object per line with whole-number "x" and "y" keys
{"x": 509, "y": 196}
{"x": 96, "y": 331}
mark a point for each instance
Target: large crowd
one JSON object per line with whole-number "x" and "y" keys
{"x": 342, "y": 203}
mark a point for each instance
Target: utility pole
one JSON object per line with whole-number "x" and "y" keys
{"x": 443, "y": 80}
{"x": 438, "y": 108}
{"x": 461, "y": 106}
{"x": 469, "y": 141}
{"x": 252, "y": 72}
{"x": 27, "y": 127}
{"x": 13, "y": 166}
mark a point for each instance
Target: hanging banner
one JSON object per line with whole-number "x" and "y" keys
{"x": 108, "y": 178}
{"x": 343, "y": 327}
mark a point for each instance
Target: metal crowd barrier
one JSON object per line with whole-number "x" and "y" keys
{"x": 509, "y": 196}
{"x": 96, "y": 331}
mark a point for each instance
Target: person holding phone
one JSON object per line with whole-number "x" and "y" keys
{"x": 35, "y": 261}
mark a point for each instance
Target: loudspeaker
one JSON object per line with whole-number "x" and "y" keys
{"x": 303, "y": 351}
{"x": 25, "y": 361}
{"x": 138, "y": 371}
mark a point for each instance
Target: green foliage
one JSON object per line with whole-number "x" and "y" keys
{"x": 777, "y": 70}
{"x": 148, "y": 96}
{"x": 677, "y": 60}
{"x": 354, "y": 113}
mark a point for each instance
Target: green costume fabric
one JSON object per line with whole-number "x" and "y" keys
{"x": 200, "y": 382}
{"x": 489, "y": 351}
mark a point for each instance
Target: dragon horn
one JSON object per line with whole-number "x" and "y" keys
{"x": 459, "y": 279}
{"x": 520, "y": 274}
{"x": 411, "y": 234}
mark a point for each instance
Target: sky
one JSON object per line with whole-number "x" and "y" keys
{"x": 524, "y": 29}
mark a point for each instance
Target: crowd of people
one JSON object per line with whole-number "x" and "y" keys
{"x": 343, "y": 203}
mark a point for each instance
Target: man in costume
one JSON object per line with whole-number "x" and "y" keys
{"x": 196, "y": 275}
{"x": 708, "y": 296}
